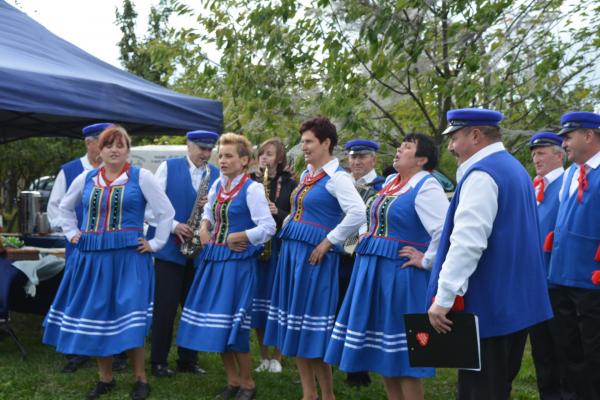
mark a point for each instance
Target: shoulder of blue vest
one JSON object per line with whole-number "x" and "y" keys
{"x": 72, "y": 163}
{"x": 175, "y": 160}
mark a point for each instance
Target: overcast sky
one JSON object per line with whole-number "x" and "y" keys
{"x": 89, "y": 24}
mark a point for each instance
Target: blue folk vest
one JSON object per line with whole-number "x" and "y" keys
{"x": 508, "y": 290}
{"x": 315, "y": 212}
{"x": 113, "y": 216}
{"x": 392, "y": 223}
{"x": 182, "y": 195}
{"x": 576, "y": 246}
{"x": 230, "y": 217}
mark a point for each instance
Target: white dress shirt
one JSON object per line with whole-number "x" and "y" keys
{"x": 366, "y": 179}
{"x": 431, "y": 205}
{"x": 473, "y": 221}
{"x": 549, "y": 178}
{"x": 155, "y": 197}
{"x": 161, "y": 175}
{"x": 58, "y": 192}
{"x": 257, "y": 204}
{"x": 590, "y": 164}
{"x": 341, "y": 186}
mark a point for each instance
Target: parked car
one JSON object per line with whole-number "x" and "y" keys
{"x": 447, "y": 183}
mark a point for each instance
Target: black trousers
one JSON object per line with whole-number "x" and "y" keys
{"x": 577, "y": 314}
{"x": 549, "y": 365}
{"x": 172, "y": 283}
{"x": 345, "y": 273}
{"x": 500, "y": 363}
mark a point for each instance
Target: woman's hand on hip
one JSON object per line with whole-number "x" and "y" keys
{"x": 75, "y": 238}
{"x": 319, "y": 252}
{"x": 144, "y": 246}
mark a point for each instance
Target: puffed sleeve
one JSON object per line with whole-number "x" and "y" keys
{"x": 342, "y": 188}
{"x": 162, "y": 210}
{"x": 66, "y": 209}
{"x": 431, "y": 205}
{"x": 211, "y": 198}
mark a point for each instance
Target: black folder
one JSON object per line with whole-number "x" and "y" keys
{"x": 457, "y": 349}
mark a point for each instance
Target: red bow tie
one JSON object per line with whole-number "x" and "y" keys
{"x": 583, "y": 183}
{"x": 539, "y": 181}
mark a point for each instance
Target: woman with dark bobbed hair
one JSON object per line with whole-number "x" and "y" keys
{"x": 326, "y": 209}
{"x": 391, "y": 272}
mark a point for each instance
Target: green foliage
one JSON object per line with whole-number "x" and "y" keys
{"x": 24, "y": 160}
{"x": 381, "y": 68}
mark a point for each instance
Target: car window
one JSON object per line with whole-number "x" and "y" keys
{"x": 446, "y": 182}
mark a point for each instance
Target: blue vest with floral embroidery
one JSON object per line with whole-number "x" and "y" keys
{"x": 230, "y": 217}
{"x": 393, "y": 223}
{"x": 113, "y": 216}
{"x": 315, "y": 212}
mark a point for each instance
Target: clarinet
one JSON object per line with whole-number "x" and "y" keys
{"x": 266, "y": 253}
{"x": 191, "y": 246}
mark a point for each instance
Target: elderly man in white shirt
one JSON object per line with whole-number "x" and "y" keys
{"x": 181, "y": 178}
{"x": 489, "y": 262}
{"x": 548, "y": 159}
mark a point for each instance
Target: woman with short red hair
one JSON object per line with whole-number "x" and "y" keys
{"x": 104, "y": 303}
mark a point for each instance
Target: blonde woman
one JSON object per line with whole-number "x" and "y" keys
{"x": 235, "y": 223}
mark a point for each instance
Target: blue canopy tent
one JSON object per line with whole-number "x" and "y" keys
{"x": 49, "y": 87}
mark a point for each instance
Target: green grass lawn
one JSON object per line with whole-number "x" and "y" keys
{"x": 38, "y": 376}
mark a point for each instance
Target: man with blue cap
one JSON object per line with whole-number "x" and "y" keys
{"x": 575, "y": 260}
{"x": 181, "y": 178}
{"x": 548, "y": 159}
{"x": 489, "y": 260}
{"x": 69, "y": 171}
{"x": 362, "y": 157}
{"x": 67, "y": 174}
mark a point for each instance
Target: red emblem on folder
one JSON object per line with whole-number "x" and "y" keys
{"x": 423, "y": 338}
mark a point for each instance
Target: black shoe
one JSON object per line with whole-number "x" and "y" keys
{"x": 141, "y": 391}
{"x": 119, "y": 364}
{"x": 358, "y": 379}
{"x": 228, "y": 392}
{"x": 190, "y": 369}
{"x": 74, "y": 363}
{"x": 162, "y": 371}
{"x": 100, "y": 389}
{"x": 246, "y": 394}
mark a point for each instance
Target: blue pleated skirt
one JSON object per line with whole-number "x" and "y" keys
{"x": 303, "y": 303}
{"x": 263, "y": 288}
{"x": 217, "y": 312}
{"x": 369, "y": 333}
{"x": 104, "y": 303}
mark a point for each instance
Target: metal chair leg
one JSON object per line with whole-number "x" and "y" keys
{"x": 6, "y": 327}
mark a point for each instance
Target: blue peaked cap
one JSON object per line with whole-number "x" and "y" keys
{"x": 361, "y": 146}
{"x": 579, "y": 119}
{"x": 463, "y": 117}
{"x": 95, "y": 129}
{"x": 203, "y": 138}
{"x": 544, "y": 139}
